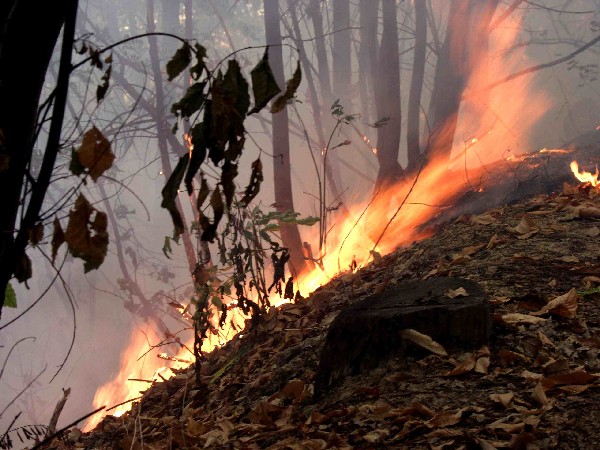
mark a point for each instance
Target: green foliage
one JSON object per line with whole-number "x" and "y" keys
{"x": 337, "y": 111}
{"x": 10, "y": 298}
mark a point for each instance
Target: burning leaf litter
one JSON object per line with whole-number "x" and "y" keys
{"x": 526, "y": 389}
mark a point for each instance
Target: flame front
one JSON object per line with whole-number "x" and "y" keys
{"x": 393, "y": 217}
{"x": 585, "y": 177}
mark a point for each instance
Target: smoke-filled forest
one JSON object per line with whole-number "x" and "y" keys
{"x": 180, "y": 177}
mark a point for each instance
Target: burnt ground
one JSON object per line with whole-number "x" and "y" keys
{"x": 534, "y": 386}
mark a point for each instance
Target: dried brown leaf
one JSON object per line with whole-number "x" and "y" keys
{"x": 424, "y": 341}
{"x": 520, "y": 319}
{"x": 504, "y": 399}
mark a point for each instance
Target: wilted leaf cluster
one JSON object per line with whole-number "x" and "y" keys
{"x": 220, "y": 102}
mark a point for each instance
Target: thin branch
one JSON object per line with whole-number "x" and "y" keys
{"x": 529, "y": 70}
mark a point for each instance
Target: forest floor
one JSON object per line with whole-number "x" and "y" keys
{"x": 535, "y": 386}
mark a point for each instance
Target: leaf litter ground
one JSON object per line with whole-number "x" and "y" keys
{"x": 534, "y": 386}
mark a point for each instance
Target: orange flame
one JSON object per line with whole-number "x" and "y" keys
{"x": 394, "y": 215}
{"x": 585, "y": 177}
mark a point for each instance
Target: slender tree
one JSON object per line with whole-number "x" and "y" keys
{"x": 284, "y": 201}
{"x": 416, "y": 86}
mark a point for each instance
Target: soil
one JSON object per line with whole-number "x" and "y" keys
{"x": 535, "y": 386}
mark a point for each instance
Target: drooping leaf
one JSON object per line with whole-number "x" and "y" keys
{"x": 180, "y": 60}
{"x": 10, "y": 298}
{"x": 256, "y": 178}
{"x": 290, "y": 90}
{"x": 167, "y": 250}
{"x": 200, "y": 66}
{"x": 308, "y": 221}
{"x": 102, "y": 88}
{"x": 58, "y": 237}
{"x": 87, "y": 237}
{"x": 228, "y": 173}
{"x": 191, "y": 102}
{"x": 23, "y": 269}
{"x": 215, "y": 131}
{"x": 95, "y": 153}
{"x": 170, "y": 191}
{"x": 216, "y": 203}
{"x": 36, "y": 233}
{"x": 235, "y": 87}
{"x": 264, "y": 85}
{"x": 75, "y": 166}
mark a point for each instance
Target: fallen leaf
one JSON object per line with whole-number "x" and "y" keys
{"x": 494, "y": 241}
{"x": 592, "y": 232}
{"x": 466, "y": 366}
{"x": 482, "y": 365}
{"x": 577, "y": 376}
{"x": 564, "y": 305}
{"x": 525, "y": 227}
{"x": 539, "y": 395}
{"x": 468, "y": 251}
{"x": 510, "y": 428}
{"x": 483, "y": 219}
{"x": 572, "y": 259}
{"x": 521, "y": 319}
{"x": 375, "y": 436}
{"x": 504, "y": 399}
{"x": 424, "y": 341}
{"x": 460, "y": 292}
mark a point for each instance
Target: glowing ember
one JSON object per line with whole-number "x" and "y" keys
{"x": 584, "y": 177}
{"x": 188, "y": 142}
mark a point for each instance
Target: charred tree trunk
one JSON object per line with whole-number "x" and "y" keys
{"x": 21, "y": 80}
{"x": 464, "y": 46}
{"x": 284, "y": 201}
{"x": 413, "y": 124}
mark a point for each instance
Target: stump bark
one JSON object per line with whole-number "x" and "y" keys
{"x": 368, "y": 332}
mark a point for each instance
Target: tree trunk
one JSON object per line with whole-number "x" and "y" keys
{"x": 284, "y": 201}
{"x": 387, "y": 98}
{"x": 342, "y": 73}
{"x": 464, "y": 46}
{"x": 367, "y": 54}
{"x": 416, "y": 86}
{"x": 21, "y": 80}
{"x": 314, "y": 12}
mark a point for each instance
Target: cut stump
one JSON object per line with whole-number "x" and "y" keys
{"x": 368, "y": 331}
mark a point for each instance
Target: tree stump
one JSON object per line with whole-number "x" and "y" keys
{"x": 368, "y": 331}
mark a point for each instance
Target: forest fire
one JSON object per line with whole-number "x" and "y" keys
{"x": 391, "y": 217}
{"x": 585, "y": 177}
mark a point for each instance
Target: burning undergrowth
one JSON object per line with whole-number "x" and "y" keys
{"x": 536, "y": 259}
